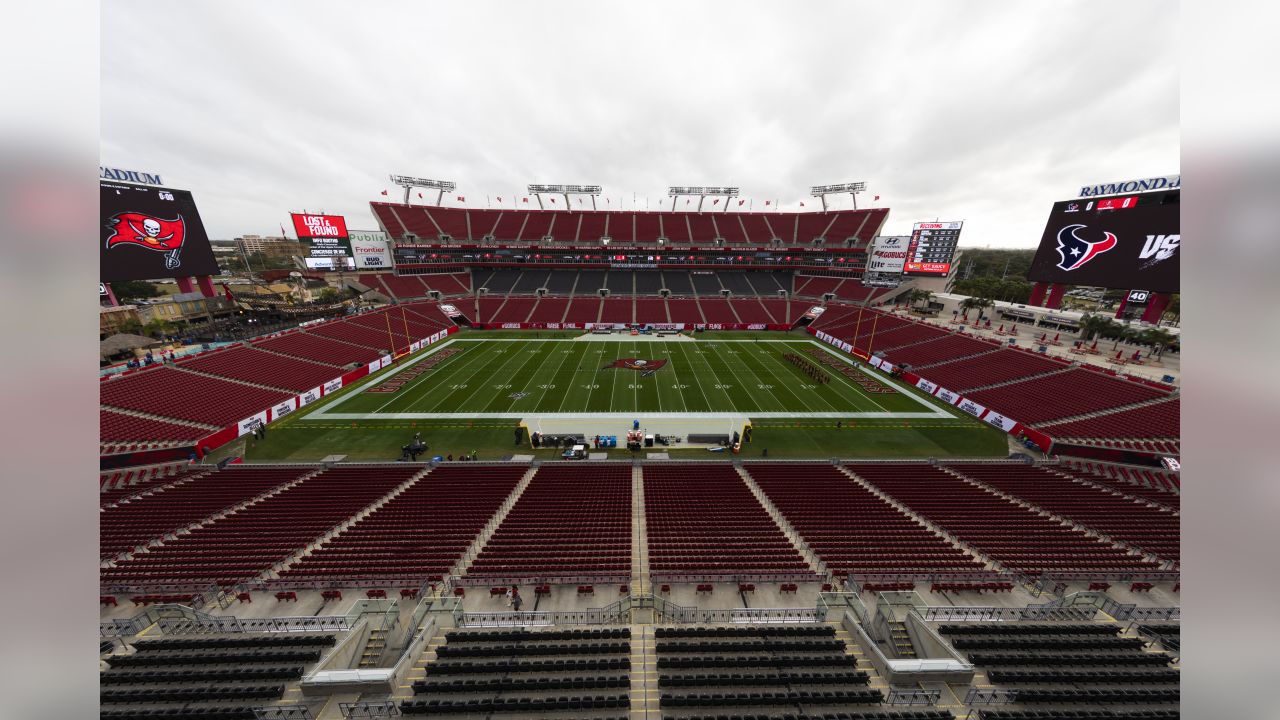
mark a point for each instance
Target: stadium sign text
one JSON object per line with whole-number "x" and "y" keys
{"x": 132, "y": 176}
{"x": 1167, "y": 182}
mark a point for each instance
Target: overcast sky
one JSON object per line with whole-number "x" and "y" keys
{"x": 986, "y": 112}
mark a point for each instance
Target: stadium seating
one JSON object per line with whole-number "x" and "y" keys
{"x": 684, "y": 310}
{"x": 1158, "y": 420}
{"x": 1003, "y": 366}
{"x": 1018, "y": 538}
{"x": 572, "y": 521}
{"x": 1134, "y": 523}
{"x": 549, "y": 310}
{"x": 851, "y": 529}
{"x": 172, "y": 393}
{"x": 232, "y": 549}
{"x": 527, "y": 673}
{"x": 252, "y": 365}
{"x": 188, "y": 500}
{"x": 448, "y": 284}
{"x": 703, "y": 522}
{"x": 1067, "y": 394}
{"x": 319, "y": 349}
{"x": 939, "y": 349}
{"x": 717, "y": 310}
{"x": 418, "y": 535}
{"x": 725, "y": 670}
{"x": 643, "y": 227}
{"x": 116, "y": 427}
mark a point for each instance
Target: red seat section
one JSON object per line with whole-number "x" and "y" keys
{"x": 263, "y": 368}
{"x": 940, "y": 349}
{"x": 571, "y": 522}
{"x": 118, "y": 427}
{"x": 1160, "y": 420}
{"x": 319, "y": 349}
{"x": 246, "y": 543}
{"x": 998, "y": 367}
{"x": 174, "y": 393}
{"x": 1134, "y": 523}
{"x": 187, "y": 501}
{"x": 419, "y": 535}
{"x": 1019, "y": 538}
{"x": 853, "y": 530}
{"x": 704, "y": 523}
{"x": 1063, "y": 395}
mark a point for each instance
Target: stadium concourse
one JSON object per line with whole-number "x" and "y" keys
{"x": 894, "y": 563}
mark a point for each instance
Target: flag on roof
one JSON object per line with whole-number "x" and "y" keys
{"x": 461, "y": 199}
{"x": 384, "y": 192}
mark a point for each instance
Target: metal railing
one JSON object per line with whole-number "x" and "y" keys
{"x": 980, "y": 696}
{"x": 914, "y": 697}
{"x": 950, "y": 613}
{"x": 382, "y": 709}
{"x": 763, "y": 615}
{"x": 283, "y": 712}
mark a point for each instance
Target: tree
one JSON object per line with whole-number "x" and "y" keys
{"x": 135, "y": 290}
{"x": 329, "y": 295}
{"x": 1094, "y": 325}
{"x": 1174, "y": 311}
{"x": 1119, "y": 333}
{"x": 919, "y": 296}
{"x": 131, "y": 327}
{"x": 978, "y": 303}
{"x": 158, "y": 327}
{"x": 1158, "y": 338}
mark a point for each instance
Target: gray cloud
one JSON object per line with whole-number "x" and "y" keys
{"x": 982, "y": 111}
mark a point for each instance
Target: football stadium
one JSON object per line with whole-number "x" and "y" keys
{"x": 547, "y": 457}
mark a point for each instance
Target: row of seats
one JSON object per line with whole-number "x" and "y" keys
{"x": 187, "y": 712}
{"x": 130, "y": 677}
{"x": 633, "y": 309}
{"x": 625, "y": 228}
{"x": 212, "y": 657}
{"x": 231, "y": 549}
{"x": 253, "y": 365}
{"x": 570, "y": 521}
{"x": 782, "y": 677}
{"x": 527, "y": 684}
{"x": 1092, "y": 714}
{"x": 510, "y": 650}
{"x": 1067, "y": 394}
{"x": 478, "y": 636}
{"x": 1017, "y": 537}
{"x": 1033, "y": 658}
{"x": 1134, "y": 523}
{"x": 207, "y": 692}
{"x": 118, "y": 427}
{"x": 1006, "y": 365}
{"x": 456, "y": 666}
{"x": 1158, "y": 420}
{"x": 779, "y": 631}
{"x": 190, "y": 499}
{"x": 515, "y": 704}
{"x": 236, "y": 641}
{"x": 703, "y": 521}
{"x": 819, "y": 501}
{"x": 419, "y": 535}
{"x": 755, "y": 699}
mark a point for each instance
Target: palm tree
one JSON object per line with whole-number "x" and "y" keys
{"x": 1094, "y": 325}
{"x": 1119, "y": 333}
{"x": 1158, "y": 339}
{"x": 918, "y": 295}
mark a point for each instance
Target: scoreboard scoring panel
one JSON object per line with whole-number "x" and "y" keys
{"x": 932, "y": 248}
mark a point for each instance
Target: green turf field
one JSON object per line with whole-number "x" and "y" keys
{"x": 493, "y": 378}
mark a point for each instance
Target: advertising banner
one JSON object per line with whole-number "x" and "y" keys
{"x": 386, "y": 360}
{"x": 947, "y": 396}
{"x": 416, "y": 345}
{"x": 371, "y": 254}
{"x": 333, "y": 386}
{"x": 926, "y": 386}
{"x": 876, "y": 360}
{"x": 309, "y": 396}
{"x": 972, "y": 407}
{"x": 373, "y": 366}
{"x": 252, "y": 423}
{"x": 326, "y": 234}
{"x": 888, "y": 253}
{"x": 1000, "y": 421}
{"x": 284, "y": 408}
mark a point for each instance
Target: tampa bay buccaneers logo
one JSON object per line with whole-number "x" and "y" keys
{"x": 152, "y": 233}
{"x": 1075, "y": 251}
{"x": 636, "y": 364}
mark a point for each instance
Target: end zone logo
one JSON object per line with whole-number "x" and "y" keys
{"x": 152, "y": 233}
{"x": 1075, "y": 251}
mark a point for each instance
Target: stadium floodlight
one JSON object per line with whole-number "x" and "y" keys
{"x": 701, "y": 193}
{"x": 853, "y": 188}
{"x": 408, "y": 183}
{"x": 566, "y": 190}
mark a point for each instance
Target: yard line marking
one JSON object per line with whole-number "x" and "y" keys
{"x": 536, "y": 354}
{"x": 671, "y": 359}
{"x": 786, "y": 383}
{"x": 467, "y": 381}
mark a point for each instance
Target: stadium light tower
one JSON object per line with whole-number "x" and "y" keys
{"x": 408, "y": 183}
{"x": 566, "y": 190}
{"x": 701, "y": 193}
{"x": 853, "y": 188}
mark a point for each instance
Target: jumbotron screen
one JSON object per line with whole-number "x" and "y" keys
{"x": 149, "y": 233}
{"x": 932, "y": 248}
{"x": 1121, "y": 242}
{"x": 325, "y": 234}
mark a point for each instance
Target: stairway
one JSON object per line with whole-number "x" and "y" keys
{"x": 483, "y": 537}
{"x": 901, "y": 640}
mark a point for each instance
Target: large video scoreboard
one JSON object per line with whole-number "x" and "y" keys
{"x": 1122, "y": 241}
{"x": 150, "y": 232}
{"x": 932, "y": 248}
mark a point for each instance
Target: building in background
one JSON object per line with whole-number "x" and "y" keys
{"x": 277, "y": 248}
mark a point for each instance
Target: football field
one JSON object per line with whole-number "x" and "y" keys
{"x": 482, "y": 378}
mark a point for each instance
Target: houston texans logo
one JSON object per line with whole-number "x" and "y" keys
{"x": 1076, "y": 251}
